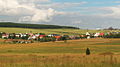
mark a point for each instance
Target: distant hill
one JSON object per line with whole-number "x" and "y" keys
{"x": 33, "y": 26}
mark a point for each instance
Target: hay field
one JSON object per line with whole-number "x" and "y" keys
{"x": 104, "y": 53}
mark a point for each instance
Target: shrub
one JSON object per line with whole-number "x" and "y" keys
{"x": 53, "y": 39}
{"x": 44, "y": 39}
{"x": 112, "y": 36}
{"x": 0, "y": 35}
{"x": 64, "y": 38}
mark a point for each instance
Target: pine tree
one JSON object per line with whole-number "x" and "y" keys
{"x": 87, "y": 51}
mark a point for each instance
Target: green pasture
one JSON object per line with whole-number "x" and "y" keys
{"x": 49, "y": 31}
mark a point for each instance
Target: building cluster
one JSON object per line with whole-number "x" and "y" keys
{"x": 53, "y": 37}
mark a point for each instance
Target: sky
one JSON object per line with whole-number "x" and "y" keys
{"x": 85, "y": 14}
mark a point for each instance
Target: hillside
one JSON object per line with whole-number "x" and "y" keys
{"x": 50, "y": 31}
{"x": 33, "y": 26}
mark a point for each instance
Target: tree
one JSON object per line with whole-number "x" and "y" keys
{"x": 87, "y": 51}
{"x": 64, "y": 38}
{"x": 110, "y": 28}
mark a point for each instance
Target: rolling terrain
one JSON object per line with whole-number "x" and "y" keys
{"x": 104, "y": 52}
{"x": 50, "y": 31}
{"x": 33, "y": 26}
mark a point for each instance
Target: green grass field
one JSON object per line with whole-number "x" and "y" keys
{"x": 49, "y": 31}
{"x": 104, "y": 52}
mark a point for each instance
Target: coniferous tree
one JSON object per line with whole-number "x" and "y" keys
{"x": 87, "y": 51}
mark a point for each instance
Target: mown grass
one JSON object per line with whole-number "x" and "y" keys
{"x": 60, "y": 54}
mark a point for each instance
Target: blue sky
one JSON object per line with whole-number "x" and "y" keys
{"x": 86, "y": 14}
{"x": 90, "y": 3}
{"x": 94, "y": 13}
{"x": 83, "y": 0}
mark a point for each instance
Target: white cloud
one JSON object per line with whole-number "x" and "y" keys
{"x": 44, "y": 15}
{"x": 113, "y": 12}
{"x": 77, "y": 22}
{"x": 25, "y": 19}
{"x": 61, "y": 5}
{"x": 31, "y": 1}
{"x": 27, "y": 10}
{"x": 116, "y": 1}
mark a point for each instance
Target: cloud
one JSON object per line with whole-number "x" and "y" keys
{"x": 113, "y": 12}
{"x": 27, "y": 9}
{"x": 31, "y": 1}
{"x": 25, "y": 19}
{"x": 116, "y": 1}
{"x": 77, "y": 22}
{"x": 68, "y": 13}
{"x": 61, "y": 5}
{"x": 44, "y": 15}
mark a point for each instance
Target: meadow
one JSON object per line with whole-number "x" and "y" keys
{"x": 104, "y": 52}
{"x": 50, "y": 31}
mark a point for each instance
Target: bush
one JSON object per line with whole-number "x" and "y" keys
{"x": 112, "y": 36}
{"x": 0, "y": 35}
{"x": 44, "y": 39}
{"x": 47, "y": 39}
{"x": 53, "y": 39}
{"x": 64, "y": 38}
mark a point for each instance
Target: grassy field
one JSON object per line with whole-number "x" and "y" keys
{"x": 49, "y": 31}
{"x": 104, "y": 53}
